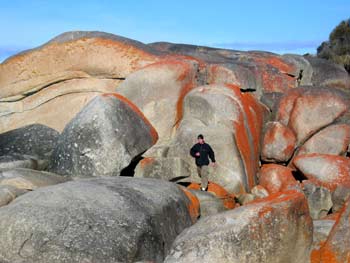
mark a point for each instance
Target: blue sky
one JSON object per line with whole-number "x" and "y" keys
{"x": 277, "y": 26}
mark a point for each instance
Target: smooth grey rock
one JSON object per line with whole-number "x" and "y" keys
{"x": 319, "y": 199}
{"x": 171, "y": 169}
{"x": 102, "y": 139}
{"x": 36, "y": 140}
{"x": 339, "y": 196}
{"x": 14, "y": 161}
{"x": 103, "y": 220}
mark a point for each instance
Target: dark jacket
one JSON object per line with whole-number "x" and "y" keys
{"x": 205, "y": 151}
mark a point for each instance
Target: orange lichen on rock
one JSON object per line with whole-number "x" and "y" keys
{"x": 336, "y": 249}
{"x": 193, "y": 206}
{"x": 146, "y": 161}
{"x": 227, "y": 199}
{"x": 153, "y": 131}
{"x": 276, "y": 178}
{"x": 248, "y": 132}
{"x": 273, "y": 81}
{"x": 218, "y": 74}
{"x": 326, "y": 170}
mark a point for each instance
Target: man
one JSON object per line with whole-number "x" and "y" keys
{"x": 201, "y": 151}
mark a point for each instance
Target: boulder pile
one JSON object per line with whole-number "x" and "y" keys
{"x": 95, "y": 134}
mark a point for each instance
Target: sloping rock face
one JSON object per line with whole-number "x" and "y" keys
{"x": 249, "y": 233}
{"x": 71, "y": 70}
{"x": 99, "y": 220}
{"x": 103, "y": 138}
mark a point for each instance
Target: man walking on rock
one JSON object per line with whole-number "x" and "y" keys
{"x": 201, "y": 151}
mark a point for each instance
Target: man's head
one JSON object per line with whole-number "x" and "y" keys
{"x": 200, "y": 138}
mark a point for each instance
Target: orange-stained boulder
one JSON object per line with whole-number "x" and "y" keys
{"x": 336, "y": 249}
{"x": 227, "y": 199}
{"x": 274, "y": 229}
{"x": 276, "y": 178}
{"x": 193, "y": 205}
{"x": 333, "y": 139}
{"x": 159, "y": 90}
{"x": 326, "y": 170}
{"x": 278, "y": 144}
{"x": 231, "y": 122}
{"x": 307, "y": 110}
{"x": 70, "y": 70}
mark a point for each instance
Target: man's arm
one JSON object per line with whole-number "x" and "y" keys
{"x": 211, "y": 154}
{"x": 193, "y": 151}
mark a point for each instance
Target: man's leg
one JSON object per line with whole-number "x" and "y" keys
{"x": 204, "y": 176}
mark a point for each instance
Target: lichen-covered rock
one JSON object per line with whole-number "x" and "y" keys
{"x": 333, "y": 139}
{"x": 163, "y": 86}
{"x": 103, "y": 138}
{"x": 307, "y": 110}
{"x": 336, "y": 248}
{"x": 227, "y": 199}
{"x": 42, "y": 79}
{"x": 326, "y": 170}
{"x": 276, "y": 178}
{"x": 103, "y": 220}
{"x": 231, "y": 122}
{"x": 275, "y": 229}
{"x": 259, "y": 192}
{"x": 278, "y": 144}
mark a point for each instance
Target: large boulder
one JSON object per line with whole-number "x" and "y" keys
{"x": 103, "y": 138}
{"x": 306, "y": 110}
{"x": 333, "y": 139}
{"x": 276, "y": 229}
{"x": 103, "y": 220}
{"x": 276, "y": 178}
{"x": 278, "y": 144}
{"x": 35, "y": 140}
{"x": 163, "y": 86}
{"x": 326, "y": 170}
{"x": 231, "y": 122}
{"x": 72, "y": 69}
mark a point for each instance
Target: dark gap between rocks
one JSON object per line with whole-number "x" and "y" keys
{"x": 299, "y": 176}
{"x": 129, "y": 171}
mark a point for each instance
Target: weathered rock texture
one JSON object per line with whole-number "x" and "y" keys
{"x": 103, "y": 138}
{"x": 98, "y": 220}
{"x": 271, "y": 230}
